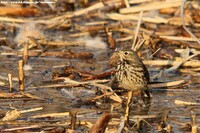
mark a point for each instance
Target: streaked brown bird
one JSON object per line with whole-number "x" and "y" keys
{"x": 131, "y": 73}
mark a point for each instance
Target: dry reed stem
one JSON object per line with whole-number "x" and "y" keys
{"x": 134, "y": 45}
{"x": 84, "y": 123}
{"x": 60, "y": 43}
{"x": 135, "y": 117}
{"x": 193, "y": 116}
{"x": 14, "y": 20}
{"x": 110, "y": 39}
{"x": 114, "y": 97}
{"x": 175, "y": 67}
{"x": 20, "y": 128}
{"x": 31, "y": 110}
{"x": 10, "y": 95}
{"x": 116, "y": 16}
{"x": 121, "y": 126}
{"x": 55, "y": 86}
{"x": 191, "y": 63}
{"x": 156, "y": 20}
{"x": 178, "y": 38}
{"x": 194, "y": 122}
{"x": 11, "y": 115}
{"x": 79, "y": 34}
{"x": 56, "y": 19}
{"x": 10, "y": 82}
{"x": 73, "y": 115}
{"x": 31, "y": 96}
{"x": 169, "y": 128}
{"x": 101, "y": 96}
{"x": 139, "y": 1}
{"x": 80, "y": 12}
{"x": 125, "y": 30}
{"x": 151, "y": 6}
{"x": 194, "y": 129}
{"x": 25, "y": 55}
{"x": 124, "y": 39}
{"x": 179, "y": 102}
{"x": 50, "y": 115}
{"x": 183, "y": 22}
{"x": 127, "y": 3}
{"x": 14, "y": 114}
{"x": 127, "y": 111}
{"x": 167, "y": 84}
{"x": 65, "y": 54}
{"x": 21, "y": 75}
{"x": 2, "y": 83}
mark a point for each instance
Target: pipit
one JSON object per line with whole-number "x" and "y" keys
{"x": 131, "y": 73}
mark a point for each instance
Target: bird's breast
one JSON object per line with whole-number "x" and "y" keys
{"x": 130, "y": 76}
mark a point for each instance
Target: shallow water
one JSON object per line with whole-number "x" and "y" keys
{"x": 55, "y": 100}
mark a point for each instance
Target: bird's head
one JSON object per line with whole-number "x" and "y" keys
{"x": 124, "y": 55}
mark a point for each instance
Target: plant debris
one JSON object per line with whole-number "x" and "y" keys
{"x": 56, "y": 68}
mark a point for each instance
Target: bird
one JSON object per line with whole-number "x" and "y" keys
{"x": 130, "y": 72}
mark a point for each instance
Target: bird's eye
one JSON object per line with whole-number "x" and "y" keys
{"x": 126, "y": 53}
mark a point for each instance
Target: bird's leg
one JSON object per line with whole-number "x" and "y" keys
{"x": 140, "y": 99}
{"x": 127, "y": 112}
{"x": 146, "y": 97}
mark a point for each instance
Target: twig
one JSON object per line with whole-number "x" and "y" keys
{"x": 114, "y": 97}
{"x": 183, "y": 22}
{"x": 101, "y": 96}
{"x": 137, "y": 32}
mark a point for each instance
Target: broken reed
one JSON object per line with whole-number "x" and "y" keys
{"x": 127, "y": 111}
{"x": 21, "y": 75}
{"x": 25, "y": 56}
{"x": 10, "y": 82}
{"x": 193, "y": 123}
